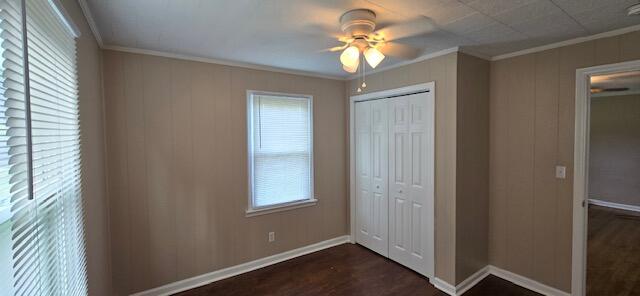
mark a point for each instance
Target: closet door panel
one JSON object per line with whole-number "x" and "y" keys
{"x": 408, "y": 182}
{"x": 380, "y": 170}
{"x": 398, "y": 181}
{"x": 363, "y": 169}
{"x": 371, "y": 175}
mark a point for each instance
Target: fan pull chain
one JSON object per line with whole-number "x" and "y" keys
{"x": 360, "y": 89}
{"x": 364, "y": 71}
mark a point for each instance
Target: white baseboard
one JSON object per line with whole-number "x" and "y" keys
{"x": 614, "y": 205}
{"x": 462, "y": 287}
{"x": 217, "y": 275}
{"x": 440, "y": 284}
{"x": 526, "y": 282}
{"x": 475, "y": 278}
{"x": 472, "y": 280}
{"x": 443, "y": 286}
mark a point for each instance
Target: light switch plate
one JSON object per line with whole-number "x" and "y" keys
{"x": 561, "y": 172}
{"x": 272, "y": 236}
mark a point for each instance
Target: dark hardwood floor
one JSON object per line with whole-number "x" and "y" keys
{"x": 613, "y": 252}
{"x": 343, "y": 270}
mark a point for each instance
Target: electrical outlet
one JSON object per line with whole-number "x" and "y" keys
{"x": 272, "y": 236}
{"x": 561, "y": 172}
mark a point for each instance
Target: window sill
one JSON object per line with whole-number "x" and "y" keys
{"x": 281, "y": 207}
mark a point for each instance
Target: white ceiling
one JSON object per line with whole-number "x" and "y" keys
{"x": 290, "y": 34}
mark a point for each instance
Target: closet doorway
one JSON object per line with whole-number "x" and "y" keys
{"x": 392, "y": 174}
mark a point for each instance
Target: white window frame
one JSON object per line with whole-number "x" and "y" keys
{"x": 252, "y": 210}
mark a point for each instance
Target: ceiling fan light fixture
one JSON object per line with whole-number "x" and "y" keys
{"x": 351, "y": 70}
{"x": 350, "y": 57}
{"x": 373, "y": 56}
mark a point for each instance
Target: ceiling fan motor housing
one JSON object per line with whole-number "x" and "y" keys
{"x": 358, "y": 22}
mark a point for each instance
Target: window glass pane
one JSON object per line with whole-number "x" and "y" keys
{"x": 281, "y": 147}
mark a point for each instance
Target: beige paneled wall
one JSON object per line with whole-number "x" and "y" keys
{"x": 93, "y": 162}
{"x": 177, "y": 148}
{"x": 472, "y": 185}
{"x": 532, "y": 130}
{"x": 443, "y": 71}
{"x": 614, "y": 151}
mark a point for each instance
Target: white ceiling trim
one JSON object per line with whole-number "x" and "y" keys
{"x": 92, "y": 24}
{"x": 567, "y": 42}
{"x": 219, "y": 62}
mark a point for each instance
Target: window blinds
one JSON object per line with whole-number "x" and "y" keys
{"x": 281, "y": 148}
{"x": 13, "y": 160}
{"x": 42, "y": 142}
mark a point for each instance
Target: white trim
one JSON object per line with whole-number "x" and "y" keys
{"x": 614, "y": 205}
{"x": 567, "y": 42}
{"x": 228, "y": 272}
{"x": 91, "y": 21}
{"x": 474, "y": 53}
{"x": 281, "y": 207}
{"x": 581, "y": 161}
{"x": 429, "y": 86}
{"x": 526, "y": 282}
{"x": 443, "y": 286}
{"x": 472, "y": 280}
{"x": 251, "y": 209}
{"x": 475, "y": 278}
{"x": 462, "y": 287}
{"x": 409, "y": 62}
{"x": 65, "y": 18}
{"x": 219, "y": 62}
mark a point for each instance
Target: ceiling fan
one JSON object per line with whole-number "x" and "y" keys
{"x": 358, "y": 25}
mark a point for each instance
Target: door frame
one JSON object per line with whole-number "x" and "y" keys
{"x": 581, "y": 169}
{"x": 430, "y": 87}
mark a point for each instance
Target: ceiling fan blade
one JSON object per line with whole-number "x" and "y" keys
{"x": 415, "y": 27}
{"x": 400, "y": 51}
{"x": 336, "y": 48}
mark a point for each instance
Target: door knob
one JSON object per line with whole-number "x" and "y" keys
{"x": 377, "y": 186}
{"x": 400, "y": 191}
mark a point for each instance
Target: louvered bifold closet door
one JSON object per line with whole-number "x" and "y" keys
{"x": 56, "y": 151}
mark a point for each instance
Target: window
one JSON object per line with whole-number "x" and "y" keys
{"x": 280, "y": 151}
{"x": 40, "y": 152}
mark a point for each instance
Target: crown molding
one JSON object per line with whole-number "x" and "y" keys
{"x": 474, "y": 54}
{"x": 219, "y": 62}
{"x": 567, "y": 42}
{"x": 90, "y": 20}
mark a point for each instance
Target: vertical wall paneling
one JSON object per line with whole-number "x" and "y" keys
{"x": 158, "y": 118}
{"x": 545, "y": 155}
{"x": 532, "y": 106}
{"x": 181, "y": 106}
{"x": 132, "y": 75}
{"x": 472, "y": 180}
{"x": 117, "y": 175}
{"x": 176, "y": 134}
{"x": 520, "y": 186}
